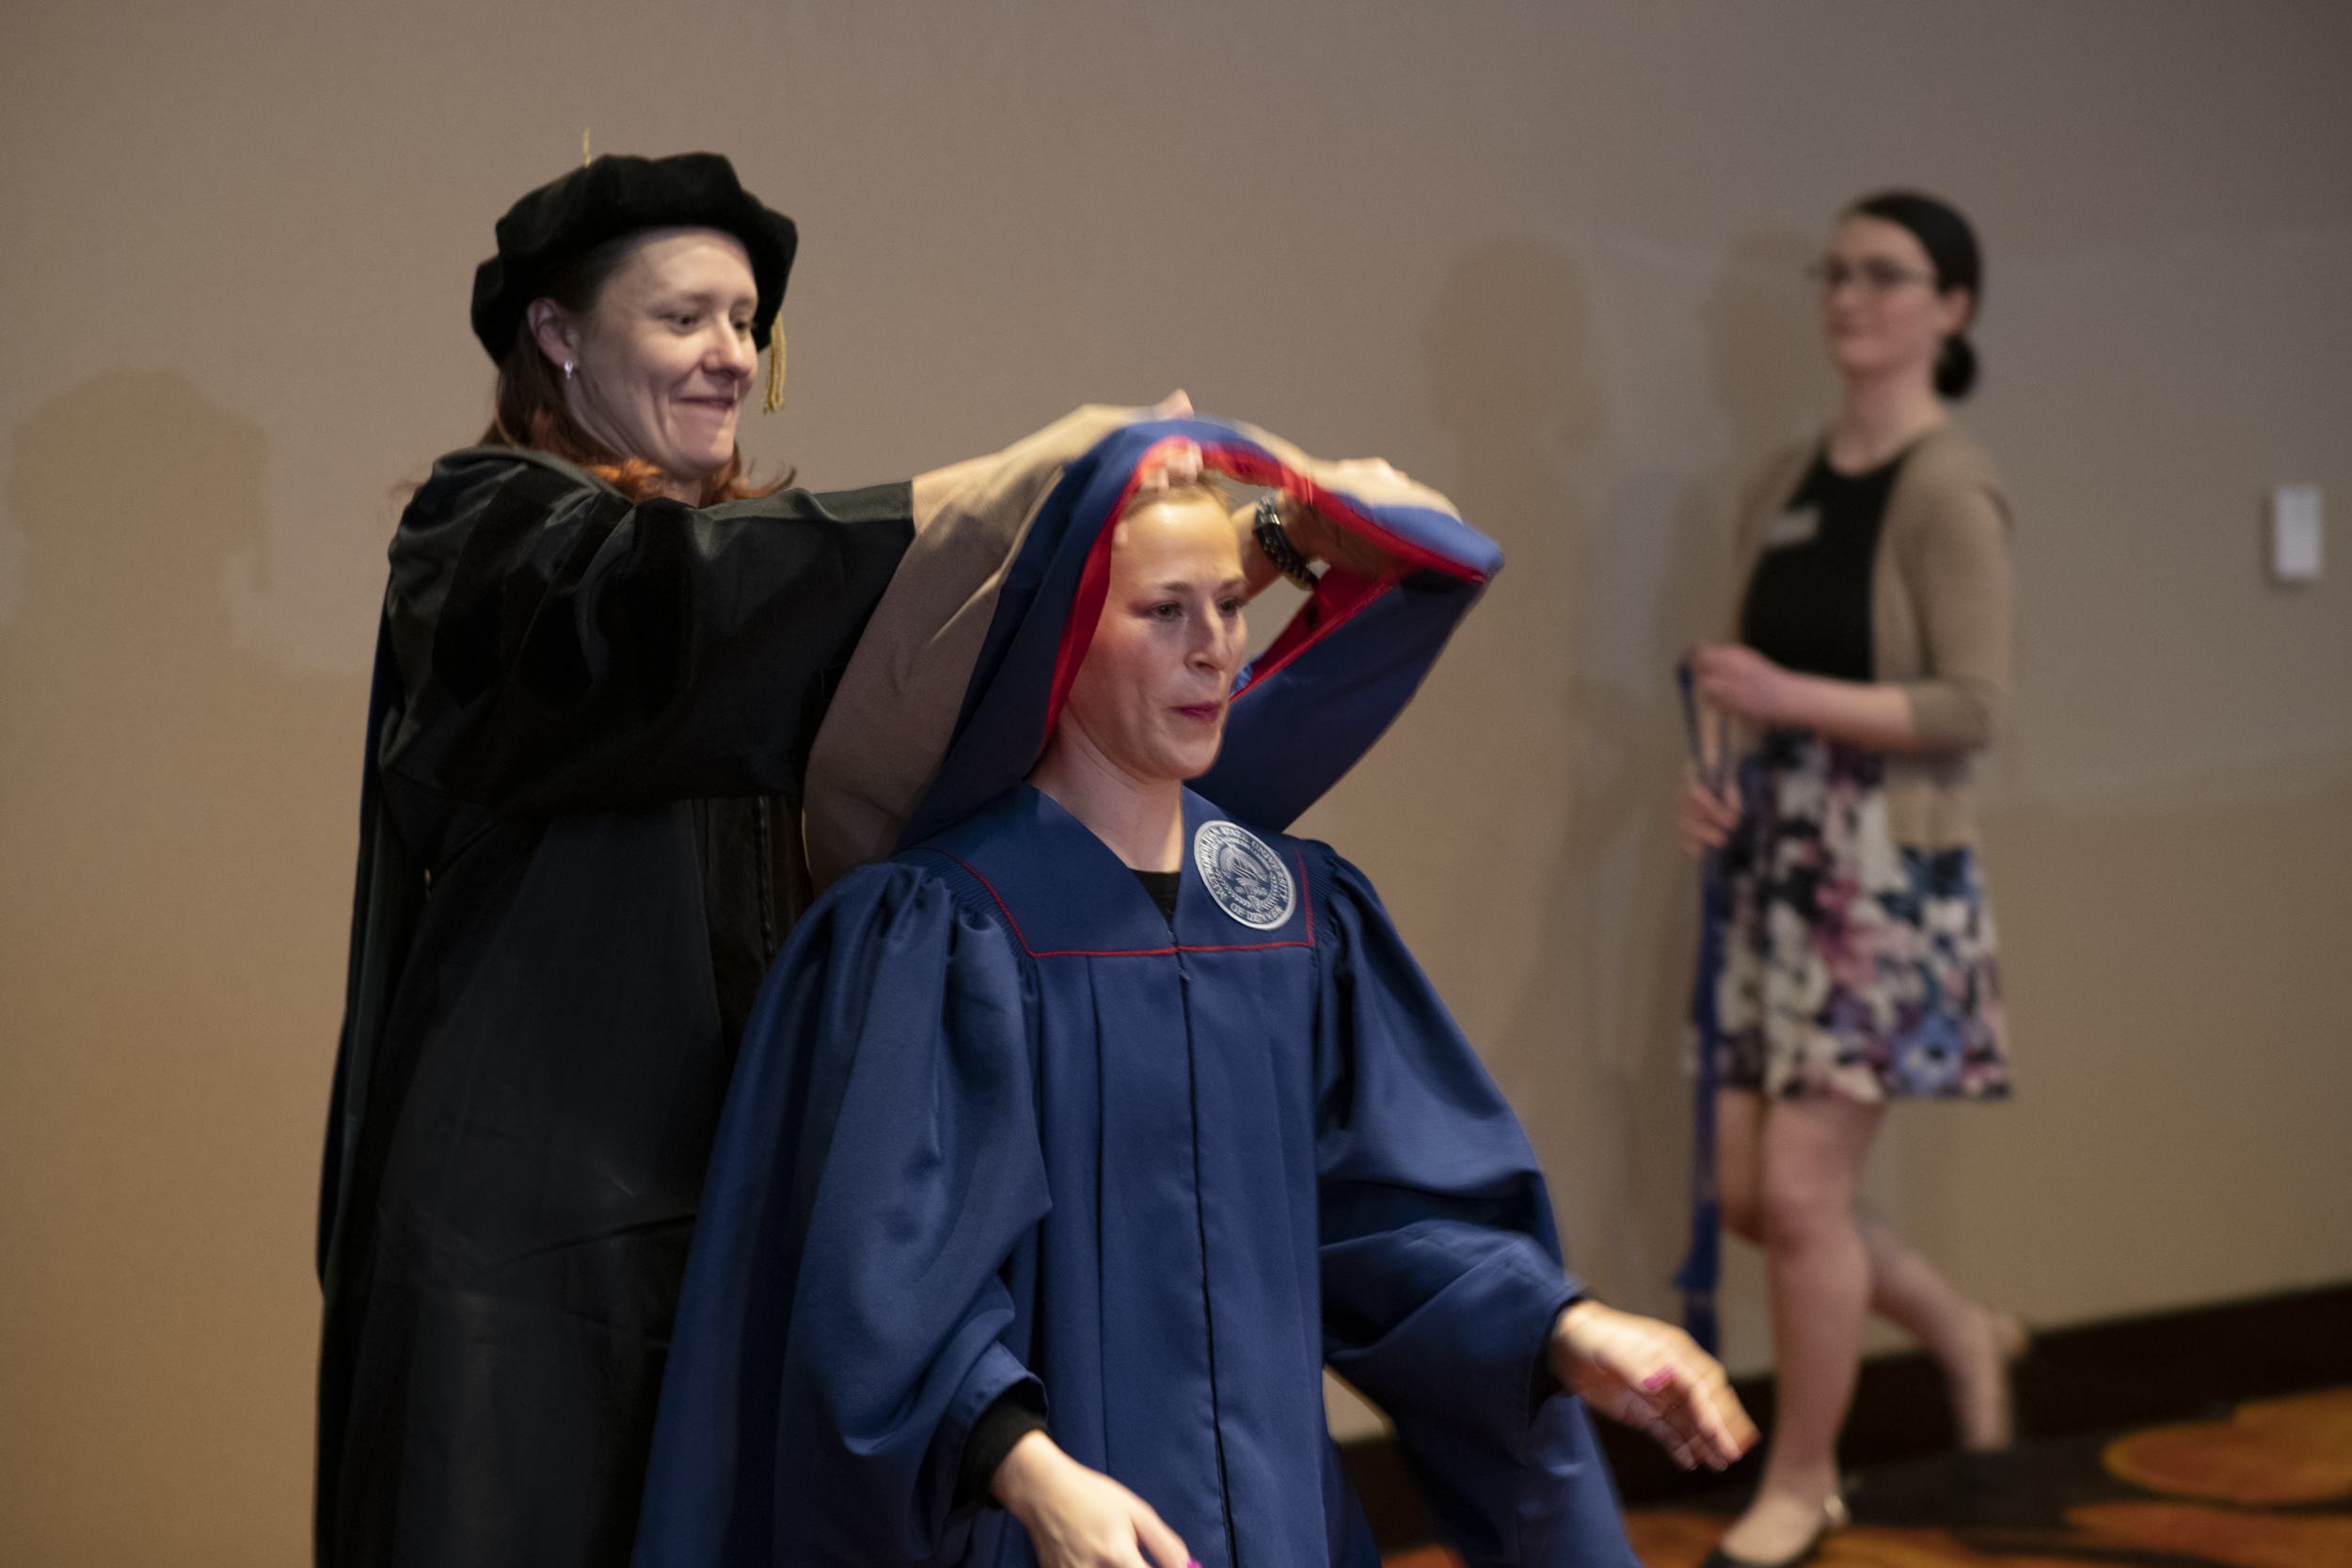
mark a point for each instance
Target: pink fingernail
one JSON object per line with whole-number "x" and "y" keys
{"x": 1657, "y": 1380}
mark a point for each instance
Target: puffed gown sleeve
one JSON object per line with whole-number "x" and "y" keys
{"x": 1442, "y": 1270}
{"x": 564, "y": 649}
{"x": 890, "y": 1060}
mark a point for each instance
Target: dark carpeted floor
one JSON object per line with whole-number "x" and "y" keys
{"x": 2267, "y": 1485}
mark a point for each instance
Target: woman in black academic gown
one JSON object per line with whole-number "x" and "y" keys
{"x": 603, "y": 657}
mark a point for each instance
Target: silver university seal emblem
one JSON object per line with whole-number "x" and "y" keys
{"x": 1246, "y": 879}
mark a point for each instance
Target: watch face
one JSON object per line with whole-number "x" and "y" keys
{"x": 1276, "y": 544}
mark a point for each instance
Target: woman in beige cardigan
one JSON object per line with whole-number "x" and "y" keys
{"x": 1873, "y": 653}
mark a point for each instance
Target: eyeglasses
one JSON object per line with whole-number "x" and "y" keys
{"x": 1878, "y": 276}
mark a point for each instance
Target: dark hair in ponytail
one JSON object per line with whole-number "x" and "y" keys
{"x": 1954, "y": 367}
{"x": 1951, "y": 247}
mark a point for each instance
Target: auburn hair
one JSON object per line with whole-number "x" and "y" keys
{"x": 529, "y": 410}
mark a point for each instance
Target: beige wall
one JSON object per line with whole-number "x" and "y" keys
{"x": 1541, "y": 255}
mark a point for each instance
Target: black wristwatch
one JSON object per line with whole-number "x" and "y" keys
{"x": 1267, "y": 530}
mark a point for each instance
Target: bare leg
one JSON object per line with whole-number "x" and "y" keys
{"x": 1813, "y": 1154}
{"x": 1739, "y": 1161}
{"x": 1973, "y": 1343}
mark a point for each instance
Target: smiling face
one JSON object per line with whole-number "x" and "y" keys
{"x": 1150, "y": 698}
{"x": 664, "y": 356}
{"x": 1881, "y": 311}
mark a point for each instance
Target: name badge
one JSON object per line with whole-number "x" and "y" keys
{"x": 1796, "y": 525}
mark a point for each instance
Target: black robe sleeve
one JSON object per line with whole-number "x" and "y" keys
{"x": 562, "y": 649}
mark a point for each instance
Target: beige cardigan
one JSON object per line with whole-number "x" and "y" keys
{"x": 1941, "y": 598}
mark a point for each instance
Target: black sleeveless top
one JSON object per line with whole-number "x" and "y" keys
{"x": 1808, "y": 603}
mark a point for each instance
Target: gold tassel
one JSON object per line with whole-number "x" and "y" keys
{"x": 585, "y": 159}
{"x": 774, "y": 400}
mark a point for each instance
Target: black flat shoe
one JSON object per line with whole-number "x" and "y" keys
{"x": 1833, "y": 1517}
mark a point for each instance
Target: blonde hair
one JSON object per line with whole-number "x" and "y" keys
{"x": 1211, "y": 487}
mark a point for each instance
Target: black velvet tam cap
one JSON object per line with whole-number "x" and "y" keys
{"x": 555, "y": 224}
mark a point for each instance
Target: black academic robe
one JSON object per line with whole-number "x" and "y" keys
{"x": 580, "y": 849}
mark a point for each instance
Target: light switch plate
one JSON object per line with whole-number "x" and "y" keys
{"x": 2294, "y": 533}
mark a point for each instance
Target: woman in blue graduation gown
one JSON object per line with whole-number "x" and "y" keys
{"x": 1070, "y": 1145}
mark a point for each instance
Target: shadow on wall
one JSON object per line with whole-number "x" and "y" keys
{"x": 1767, "y": 375}
{"x": 1509, "y": 350}
{"x": 176, "y": 821}
{"x": 1599, "y": 1027}
{"x": 1507, "y": 347}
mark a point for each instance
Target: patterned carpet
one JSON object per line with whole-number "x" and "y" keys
{"x": 2269, "y": 1485}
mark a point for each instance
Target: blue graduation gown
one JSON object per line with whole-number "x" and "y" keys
{"x": 991, "y": 1125}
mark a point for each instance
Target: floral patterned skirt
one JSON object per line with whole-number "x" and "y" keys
{"x": 1852, "y": 967}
